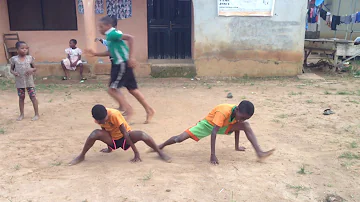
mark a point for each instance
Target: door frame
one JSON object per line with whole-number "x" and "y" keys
{"x": 192, "y": 31}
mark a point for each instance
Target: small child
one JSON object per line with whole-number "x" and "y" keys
{"x": 223, "y": 119}
{"x": 73, "y": 60}
{"x": 22, "y": 68}
{"x": 116, "y": 133}
{"x": 122, "y": 65}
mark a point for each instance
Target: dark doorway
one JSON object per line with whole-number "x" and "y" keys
{"x": 169, "y": 29}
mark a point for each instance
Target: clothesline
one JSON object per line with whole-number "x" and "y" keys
{"x": 334, "y": 20}
{"x": 331, "y": 20}
{"x": 121, "y": 9}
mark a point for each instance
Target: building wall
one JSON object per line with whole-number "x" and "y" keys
{"x": 4, "y": 28}
{"x": 49, "y": 46}
{"x": 346, "y": 8}
{"x": 253, "y": 46}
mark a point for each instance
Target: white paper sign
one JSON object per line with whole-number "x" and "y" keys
{"x": 246, "y": 7}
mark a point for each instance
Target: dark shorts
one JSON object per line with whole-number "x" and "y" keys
{"x": 122, "y": 76}
{"x": 31, "y": 91}
{"x": 120, "y": 143}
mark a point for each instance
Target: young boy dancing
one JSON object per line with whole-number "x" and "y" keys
{"x": 223, "y": 119}
{"x": 122, "y": 74}
{"x": 116, "y": 133}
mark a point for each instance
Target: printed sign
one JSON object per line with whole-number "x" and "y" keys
{"x": 246, "y": 7}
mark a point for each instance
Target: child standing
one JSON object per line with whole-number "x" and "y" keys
{"x": 122, "y": 74}
{"x": 73, "y": 60}
{"x": 22, "y": 68}
{"x": 116, "y": 133}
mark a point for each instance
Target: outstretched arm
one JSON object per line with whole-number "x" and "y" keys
{"x": 92, "y": 53}
{"x": 130, "y": 142}
{"x": 213, "y": 158}
{"x": 251, "y": 137}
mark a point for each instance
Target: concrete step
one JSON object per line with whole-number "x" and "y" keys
{"x": 53, "y": 69}
{"x": 173, "y": 69}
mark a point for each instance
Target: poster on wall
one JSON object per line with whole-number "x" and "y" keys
{"x": 246, "y": 7}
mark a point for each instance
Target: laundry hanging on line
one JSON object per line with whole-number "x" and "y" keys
{"x": 329, "y": 18}
{"x": 99, "y": 6}
{"x": 121, "y": 9}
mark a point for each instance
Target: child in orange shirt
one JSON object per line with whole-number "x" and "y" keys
{"x": 223, "y": 119}
{"x": 116, "y": 133}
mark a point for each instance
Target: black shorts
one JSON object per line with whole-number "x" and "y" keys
{"x": 122, "y": 76}
{"x": 120, "y": 143}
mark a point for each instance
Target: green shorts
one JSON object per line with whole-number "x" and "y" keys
{"x": 203, "y": 129}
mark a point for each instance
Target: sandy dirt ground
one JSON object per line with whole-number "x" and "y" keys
{"x": 315, "y": 154}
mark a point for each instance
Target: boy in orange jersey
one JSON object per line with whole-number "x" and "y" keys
{"x": 223, "y": 119}
{"x": 116, "y": 133}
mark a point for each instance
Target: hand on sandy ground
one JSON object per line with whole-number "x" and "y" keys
{"x": 136, "y": 159}
{"x": 106, "y": 150}
{"x": 165, "y": 157}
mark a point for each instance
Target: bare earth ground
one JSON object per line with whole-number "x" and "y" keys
{"x": 288, "y": 116}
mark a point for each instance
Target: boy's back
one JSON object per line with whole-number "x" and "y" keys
{"x": 221, "y": 115}
{"x": 114, "y": 122}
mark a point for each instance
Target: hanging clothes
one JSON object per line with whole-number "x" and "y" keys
{"x": 353, "y": 18}
{"x": 328, "y": 15}
{"x": 357, "y": 17}
{"x": 347, "y": 19}
{"x": 313, "y": 15}
{"x": 335, "y": 22}
{"x": 80, "y": 7}
{"x": 121, "y": 9}
{"x": 342, "y": 19}
{"x": 323, "y": 14}
{"x": 99, "y": 6}
{"x": 309, "y": 16}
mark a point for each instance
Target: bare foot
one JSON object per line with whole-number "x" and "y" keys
{"x": 21, "y": 117}
{"x": 165, "y": 157}
{"x": 263, "y": 155}
{"x": 106, "y": 150}
{"x": 129, "y": 115}
{"x": 36, "y": 117}
{"x": 241, "y": 149}
{"x": 121, "y": 109}
{"x": 149, "y": 115}
{"x": 77, "y": 160}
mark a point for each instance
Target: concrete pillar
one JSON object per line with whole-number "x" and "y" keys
{"x": 90, "y": 28}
